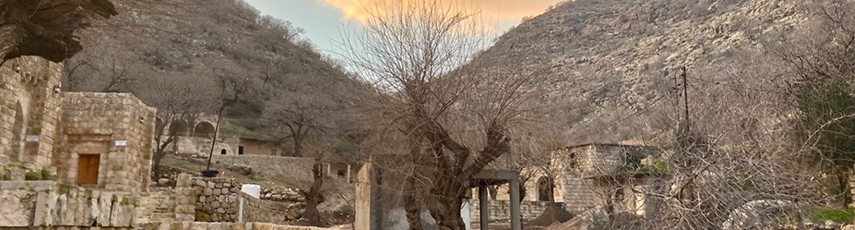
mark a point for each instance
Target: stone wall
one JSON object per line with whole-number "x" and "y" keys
{"x": 296, "y": 169}
{"x": 29, "y": 110}
{"x": 262, "y": 148}
{"x": 579, "y": 194}
{"x": 47, "y": 203}
{"x": 218, "y": 200}
{"x": 201, "y": 146}
{"x": 500, "y": 210}
{"x": 225, "y": 226}
{"x": 118, "y": 127}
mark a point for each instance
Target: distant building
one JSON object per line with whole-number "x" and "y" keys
{"x": 608, "y": 176}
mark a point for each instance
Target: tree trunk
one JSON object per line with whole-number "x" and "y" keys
{"x": 447, "y": 214}
{"x": 314, "y": 196}
{"x": 843, "y": 184}
{"x": 411, "y": 191}
{"x": 298, "y": 145}
{"x": 449, "y": 192}
{"x": 411, "y": 204}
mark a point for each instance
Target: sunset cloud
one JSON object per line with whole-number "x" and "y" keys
{"x": 502, "y": 11}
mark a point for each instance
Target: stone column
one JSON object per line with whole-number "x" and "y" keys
{"x": 484, "y": 208}
{"x": 348, "y": 174}
{"x": 515, "y": 204}
{"x": 329, "y": 170}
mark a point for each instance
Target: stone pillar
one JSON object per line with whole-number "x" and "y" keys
{"x": 348, "y": 174}
{"x": 362, "y": 219}
{"x": 484, "y": 208}
{"x": 329, "y": 170}
{"x": 515, "y": 204}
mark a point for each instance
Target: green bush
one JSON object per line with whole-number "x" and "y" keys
{"x": 346, "y": 209}
{"x": 42, "y": 174}
{"x": 33, "y": 175}
{"x": 47, "y": 174}
{"x": 820, "y": 215}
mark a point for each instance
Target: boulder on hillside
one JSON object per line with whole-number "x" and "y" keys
{"x": 242, "y": 169}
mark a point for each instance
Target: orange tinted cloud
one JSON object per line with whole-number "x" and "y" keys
{"x": 503, "y": 11}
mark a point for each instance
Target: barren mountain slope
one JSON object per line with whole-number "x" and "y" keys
{"x": 607, "y": 61}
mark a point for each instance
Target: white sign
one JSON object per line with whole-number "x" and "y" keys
{"x": 32, "y": 138}
{"x": 121, "y": 143}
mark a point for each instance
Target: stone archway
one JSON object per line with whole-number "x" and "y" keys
{"x": 180, "y": 127}
{"x": 18, "y": 131}
{"x": 544, "y": 188}
{"x": 204, "y": 129}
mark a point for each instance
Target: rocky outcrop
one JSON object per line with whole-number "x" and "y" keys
{"x": 46, "y": 28}
{"x": 288, "y": 194}
{"x": 603, "y": 61}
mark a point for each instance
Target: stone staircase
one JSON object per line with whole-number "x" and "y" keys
{"x": 157, "y": 207}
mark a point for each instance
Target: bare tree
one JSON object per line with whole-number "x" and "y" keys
{"x": 298, "y": 114}
{"x": 178, "y": 97}
{"x": 458, "y": 118}
{"x": 106, "y": 67}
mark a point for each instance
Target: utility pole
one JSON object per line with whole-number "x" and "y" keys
{"x": 685, "y": 98}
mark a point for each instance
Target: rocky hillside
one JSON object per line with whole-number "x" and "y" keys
{"x": 606, "y": 62}
{"x": 208, "y": 50}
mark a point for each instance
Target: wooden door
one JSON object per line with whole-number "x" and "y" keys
{"x": 87, "y": 169}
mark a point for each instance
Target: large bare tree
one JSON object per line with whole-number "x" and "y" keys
{"x": 178, "y": 97}
{"x": 456, "y": 115}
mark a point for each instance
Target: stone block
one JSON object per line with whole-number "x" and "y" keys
{"x": 199, "y": 226}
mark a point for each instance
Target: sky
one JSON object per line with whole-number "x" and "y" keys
{"x": 323, "y": 20}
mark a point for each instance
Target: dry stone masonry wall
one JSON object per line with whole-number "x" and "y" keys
{"x": 217, "y": 199}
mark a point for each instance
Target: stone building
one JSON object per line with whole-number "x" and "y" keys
{"x": 599, "y": 175}
{"x": 587, "y": 176}
{"x": 69, "y": 159}
{"x": 251, "y": 146}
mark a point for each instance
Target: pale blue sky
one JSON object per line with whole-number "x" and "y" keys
{"x": 323, "y": 19}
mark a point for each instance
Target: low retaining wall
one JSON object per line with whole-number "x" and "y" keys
{"x": 225, "y": 226}
{"x": 500, "y": 210}
{"x": 37, "y": 204}
{"x": 218, "y": 200}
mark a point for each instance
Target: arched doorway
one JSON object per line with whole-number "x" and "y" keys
{"x": 223, "y": 152}
{"x": 544, "y": 188}
{"x": 18, "y": 131}
{"x": 203, "y": 129}
{"x": 180, "y": 128}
